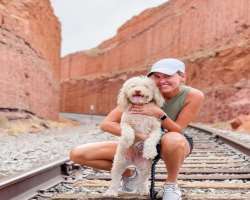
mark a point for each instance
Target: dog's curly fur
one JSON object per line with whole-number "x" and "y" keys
{"x": 136, "y": 90}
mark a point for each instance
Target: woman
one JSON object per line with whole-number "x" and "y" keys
{"x": 181, "y": 107}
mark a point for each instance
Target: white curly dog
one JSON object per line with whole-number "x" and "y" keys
{"x": 136, "y": 90}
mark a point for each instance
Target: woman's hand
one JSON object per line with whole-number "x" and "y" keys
{"x": 149, "y": 109}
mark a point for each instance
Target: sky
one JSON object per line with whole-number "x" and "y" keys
{"x": 86, "y": 23}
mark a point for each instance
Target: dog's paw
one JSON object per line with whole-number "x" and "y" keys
{"x": 127, "y": 140}
{"x": 143, "y": 191}
{"x": 111, "y": 193}
{"x": 149, "y": 153}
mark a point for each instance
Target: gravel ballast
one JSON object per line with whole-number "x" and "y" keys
{"x": 25, "y": 151}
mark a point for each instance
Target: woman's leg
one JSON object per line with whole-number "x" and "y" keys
{"x": 174, "y": 149}
{"x": 98, "y": 155}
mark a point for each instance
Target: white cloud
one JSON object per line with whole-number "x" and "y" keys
{"x": 86, "y": 23}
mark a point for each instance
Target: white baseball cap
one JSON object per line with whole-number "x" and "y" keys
{"x": 167, "y": 66}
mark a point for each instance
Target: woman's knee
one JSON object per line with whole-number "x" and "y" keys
{"x": 93, "y": 151}
{"x": 77, "y": 155}
{"x": 172, "y": 141}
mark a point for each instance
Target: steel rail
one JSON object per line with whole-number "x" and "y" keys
{"x": 230, "y": 141}
{"x": 26, "y": 184}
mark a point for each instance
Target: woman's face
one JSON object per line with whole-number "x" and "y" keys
{"x": 167, "y": 83}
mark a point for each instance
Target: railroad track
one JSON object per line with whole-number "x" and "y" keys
{"x": 214, "y": 171}
{"x": 26, "y": 184}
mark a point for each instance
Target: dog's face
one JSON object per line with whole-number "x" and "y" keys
{"x": 139, "y": 90}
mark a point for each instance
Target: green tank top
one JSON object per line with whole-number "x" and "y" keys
{"x": 173, "y": 106}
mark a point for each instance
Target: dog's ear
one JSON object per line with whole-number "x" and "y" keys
{"x": 158, "y": 98}
{"x": 122, "y": 99}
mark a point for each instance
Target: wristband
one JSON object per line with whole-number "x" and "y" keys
{"x": 163, "y": 117}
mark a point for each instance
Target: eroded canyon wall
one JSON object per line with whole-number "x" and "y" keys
{"x": 30, "y": 45}
{"x": 212, "y": 37}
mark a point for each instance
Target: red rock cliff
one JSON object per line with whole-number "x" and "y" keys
{"x": 213, "y": 38}
{"x": 29, "y": 57}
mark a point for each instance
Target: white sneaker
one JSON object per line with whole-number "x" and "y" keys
{"x": 128, "y": 183}
{"x": 171, "y": 192}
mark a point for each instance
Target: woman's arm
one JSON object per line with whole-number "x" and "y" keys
{"x": 111, "y": 124}
{"x": 153, "y": 110}
{"x": 188, "y": 113}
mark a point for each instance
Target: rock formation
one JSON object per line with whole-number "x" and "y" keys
{"x": 29, "y": 57}
{"x": 212, "y": 37}
{"x": 241, "y": 123}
